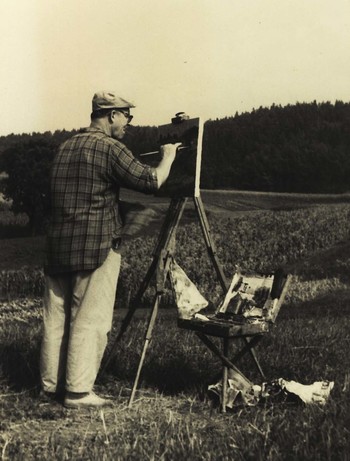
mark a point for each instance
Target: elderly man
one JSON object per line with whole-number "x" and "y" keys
{"x": 83, "y": 258}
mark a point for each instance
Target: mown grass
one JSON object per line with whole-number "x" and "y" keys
{"x": 173, "y": 416}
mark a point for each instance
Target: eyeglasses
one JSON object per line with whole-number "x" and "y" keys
{"x": 126, "y": 114}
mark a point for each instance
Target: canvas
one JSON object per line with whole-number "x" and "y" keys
{"x": 184, "y": 177}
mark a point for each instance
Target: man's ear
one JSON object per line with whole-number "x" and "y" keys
{"x": 111, "y": 116}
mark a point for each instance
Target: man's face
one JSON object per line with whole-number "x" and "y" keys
{"x": 120, "y": 120}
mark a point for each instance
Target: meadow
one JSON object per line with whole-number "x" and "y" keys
{"x": 173, "y": 416}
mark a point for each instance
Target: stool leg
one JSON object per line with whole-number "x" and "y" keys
{"x": 224, "y": 376}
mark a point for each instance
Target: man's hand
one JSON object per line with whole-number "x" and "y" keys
{"x": 168, "y": 154}
{"x": 169, "y": 151}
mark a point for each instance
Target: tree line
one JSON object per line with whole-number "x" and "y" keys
{"x": 295, "y": 148}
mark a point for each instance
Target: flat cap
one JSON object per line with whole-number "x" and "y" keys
{"x": 108, "y": 100}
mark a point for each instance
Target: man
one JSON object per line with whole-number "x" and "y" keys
{"x": 83, "y": 260}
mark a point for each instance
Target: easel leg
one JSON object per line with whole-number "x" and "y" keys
{"x": 209, "y": 242}
{"x": 145, "y": 347}
{"x": 165, "y": 240}
{"x": 161, "y": 260}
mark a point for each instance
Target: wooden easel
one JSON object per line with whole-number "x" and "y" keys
{"x": 160, "y": 266}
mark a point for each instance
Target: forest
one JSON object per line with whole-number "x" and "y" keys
{"x": 299, "y": 148}
{"x": 296, "y": 148}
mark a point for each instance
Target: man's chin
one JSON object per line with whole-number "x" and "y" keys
{"x": 118, "y": 136}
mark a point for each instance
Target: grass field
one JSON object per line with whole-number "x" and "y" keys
{"x": 173, "y": 417}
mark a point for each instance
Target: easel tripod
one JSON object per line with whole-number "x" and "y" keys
{"x": 160, "y": 266}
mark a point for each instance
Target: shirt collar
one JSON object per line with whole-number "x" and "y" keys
{"x": 93, "y": 129}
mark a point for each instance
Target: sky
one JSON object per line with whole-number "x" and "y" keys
{"x": 208, "y": 58}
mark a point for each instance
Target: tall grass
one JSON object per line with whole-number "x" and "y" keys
{"x": 258, "y": 241}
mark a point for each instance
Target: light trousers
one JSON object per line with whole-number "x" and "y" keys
{"x": 78, "y": 313}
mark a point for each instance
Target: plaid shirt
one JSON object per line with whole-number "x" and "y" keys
{"x": 86, "y": 176}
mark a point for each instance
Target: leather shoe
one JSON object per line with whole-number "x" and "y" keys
{"x": 50, "y": 397}
{"x": 85, "y": 400}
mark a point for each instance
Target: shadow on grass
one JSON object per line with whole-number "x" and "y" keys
{"x": 176, "y": 375}
{"x": 333, "y": 262}
{"x": 19, "y": 352}
{"x": 328, "y": 305}
{"x": 170, "y": 376}
{"x": 20, "y": 367}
